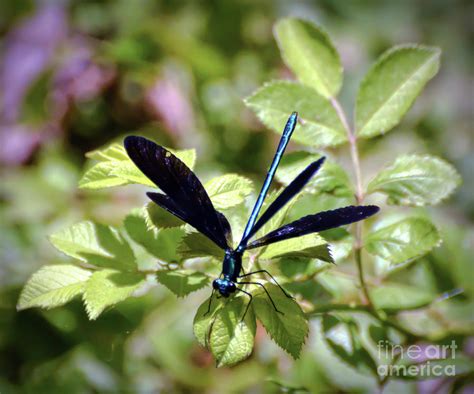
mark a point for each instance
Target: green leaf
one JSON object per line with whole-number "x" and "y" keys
{"x": 416, "y": 180}
{"x": 182, "y": 282}
{"x": 113, "y": 173}
{"x": 391, "y": 86}
{"x": 52, "y": 286}
{"x": 202, "y": 323}
{"x": 228, "y": 190}
{"x": 116, "y": 169}
{"x": 404, "y": 240}
{"x": 108, "y": 287}
{"x": 299, "y": 269}
{"x": 95, "y": 244}
{"x": 196, "y": 244}
{"x": 112, "y": 152}
{"x": 231, "y": 339}
{"x": 157, "y": 217}
{"x": 309, "y": 52}
{"x": 319, "y": 124}
{"x": 397, "y": 296}
{"x": 159, "y": 243}
{"x": 344, "y": 338}
{"x": 308, "y": 246}
{"x": 100, "y": 176}
{"x": 289, "y": 329}
{"x": 331, "y": 178}
{"x": 128, "y": 172}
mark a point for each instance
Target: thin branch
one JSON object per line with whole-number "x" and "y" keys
{"x": 352, "y": 138}
{"x": 337, "y": 307}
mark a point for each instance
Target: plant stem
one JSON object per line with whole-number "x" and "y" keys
{"x": 359, "y": 196}
{"x": 337, "y": 307}
{"x": 353, "y": 147}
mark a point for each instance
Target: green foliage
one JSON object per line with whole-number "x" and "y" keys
{"x": 53, "y": 286}
{"x": 182, "y": 282}
{"x": 416, "y": 180}
{"x": 114, "y": 168}
{"x": 108, "y": 261}
{"x": 308, "y": 246}
{"x": 404, "y": 240}
{"x": 161, "y": 244}
{"x": 223, "y": 331}
{"x": 95, "y": 244}
{"x": 203, "y": 319}
{"x": 308, "y": 51}
{"x": 196, "y": 244}
{"x": 397, "y": 296}
{"x": 320, "y": 125}
{"x": 231, "y": 338}
{"x": 108, "y": 287}
{"x": 391, "y": 86}
{"x": 331, "y": 177}
{"x": 157, "y": 217}
{"x": 227, "y": 191}
{"x": 343, "y": 336}
{"x": 288, "y": 327}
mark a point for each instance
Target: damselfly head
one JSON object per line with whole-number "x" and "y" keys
{"x": 224, "y": 286}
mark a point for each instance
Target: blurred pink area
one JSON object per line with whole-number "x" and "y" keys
{"x": 40, "y": 43}
{"x": 167, "y": 100}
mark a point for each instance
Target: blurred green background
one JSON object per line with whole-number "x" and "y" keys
{"x": 75, "y": 75}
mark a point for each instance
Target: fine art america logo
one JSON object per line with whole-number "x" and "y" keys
{"x": 417, "y": 360}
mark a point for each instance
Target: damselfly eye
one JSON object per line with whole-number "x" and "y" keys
{"x": 215, "y": 284}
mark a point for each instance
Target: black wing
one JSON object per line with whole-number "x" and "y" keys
{"x": 315, "y": 223}
{"x": 286, "y": 195}
{"x": 185, "y": 197}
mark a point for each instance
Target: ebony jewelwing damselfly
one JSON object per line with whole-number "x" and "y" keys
{"x": 185, "y": 197}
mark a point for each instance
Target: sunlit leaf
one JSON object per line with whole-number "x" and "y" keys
{"x": 100, "y": 176}
{"x": 52, "y": 286}
{"x": 228, "y": 190}
{"x": 182, "y": 282}
{"x": 112, "y": 152}
{"x": 159, "y": 243}
{"x": 331, "y": 177}
{"x": 95, "y": 244}
{"x": 195, "y": 244}
{"x": 116, "y": 169}
{"x": 416, "y": 180}
{"x": 307, "y": 246}
{"x": 404, "y": 240}
{"x": 392, "y": 85}
{"x": 289, "y": 328}
{"x": 108, "y": 287}
{"x": 129, "y": 172}
{"x": 202, "y": 323}
{"x": 397, "y": 296}
{"x": 309, "y": 52}
{"x": 231, "y": 338}
{"x": 319, "y": 124}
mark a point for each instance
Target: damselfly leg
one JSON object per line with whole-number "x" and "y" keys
{"x": 210, "y": 301}
{"x": 271, "y": 276}
{"x": 248, "y": 305}
{"x": 266, "y": 291}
